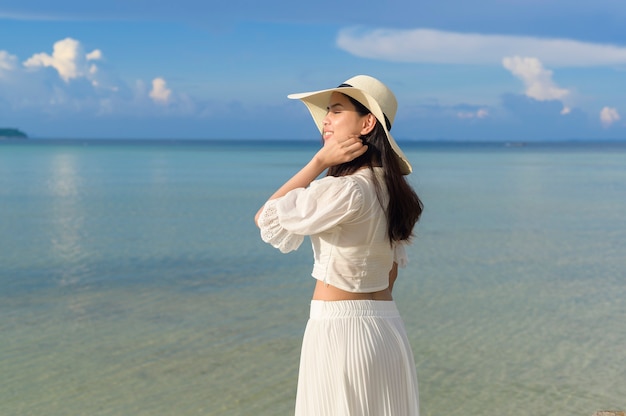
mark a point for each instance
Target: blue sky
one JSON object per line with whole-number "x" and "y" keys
{"x": 480, "y": 70}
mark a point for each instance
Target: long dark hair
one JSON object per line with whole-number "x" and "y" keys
{"x": 404, "y": 207}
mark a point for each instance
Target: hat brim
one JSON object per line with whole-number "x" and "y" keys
{"x": 317, "y": 103}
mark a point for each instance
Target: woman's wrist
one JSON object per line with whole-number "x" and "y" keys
{"x": 319, "y": 162}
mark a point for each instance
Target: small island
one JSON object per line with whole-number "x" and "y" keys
{"x": 10, "y": 133}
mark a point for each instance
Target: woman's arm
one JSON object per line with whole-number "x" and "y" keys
{"x": 393, "y": 274}
{"x": 332, "y": 153}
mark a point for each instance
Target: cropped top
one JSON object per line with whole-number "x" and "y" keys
{"x": 347, "y": 226}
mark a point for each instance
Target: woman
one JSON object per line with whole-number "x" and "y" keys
{"x": 355, "y": 359}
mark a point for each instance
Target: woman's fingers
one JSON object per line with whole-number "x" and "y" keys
{"x": 342, "y": 150}
{"x": 351, "y": 147}
{"x": 350, "y": 140}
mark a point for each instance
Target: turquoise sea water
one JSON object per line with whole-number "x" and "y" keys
{"x": 133, "y": 280}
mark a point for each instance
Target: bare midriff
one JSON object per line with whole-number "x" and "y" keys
{"x": 331, "y": 293}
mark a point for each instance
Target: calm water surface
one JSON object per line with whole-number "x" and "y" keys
{"x": 133, "y": 280}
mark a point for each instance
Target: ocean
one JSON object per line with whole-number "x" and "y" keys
{"x": 133, "y": 280}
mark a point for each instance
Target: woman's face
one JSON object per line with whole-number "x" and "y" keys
{"x": 342, "y": 120}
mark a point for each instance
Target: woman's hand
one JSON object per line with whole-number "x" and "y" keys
{"x": 340, "y": 150}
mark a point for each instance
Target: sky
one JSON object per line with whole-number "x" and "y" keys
{"x": 485, "y": 70}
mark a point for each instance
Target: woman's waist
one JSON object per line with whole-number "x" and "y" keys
{"x": 321, "y": 309}
{"x": 327, "y": 292}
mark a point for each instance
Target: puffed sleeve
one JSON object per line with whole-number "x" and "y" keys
{"x": 326, "y": 203}
{"x": 273, "y": 233}
{"x": 399, "y": 253}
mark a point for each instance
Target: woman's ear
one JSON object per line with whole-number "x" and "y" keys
{"x": 369, "y": 121}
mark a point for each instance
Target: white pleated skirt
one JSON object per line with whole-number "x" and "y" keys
{"x": 356, "y": 361}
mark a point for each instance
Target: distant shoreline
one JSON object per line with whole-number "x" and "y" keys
{"x": 12, "y": 133}
{"x": 422, "y": 146}
{"x": 317, "y": 142}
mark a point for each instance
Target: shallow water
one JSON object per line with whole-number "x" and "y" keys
{"x": 133, "y": 280}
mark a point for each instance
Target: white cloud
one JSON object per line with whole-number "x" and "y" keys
{"x": 435, "y": 46}
{"x": 78, "y": 84}
{"x": 537, "y": 79}
{"x": 94, "y": 55}
{"x": 7, "y": 61}
{"x": 608, "y": 116}
{"x": 480, "y": 113}
{"x": 67, "y": 58}
{"x": 160, "y": 93}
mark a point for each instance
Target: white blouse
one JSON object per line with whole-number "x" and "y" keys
{"x": 347, "y": 226}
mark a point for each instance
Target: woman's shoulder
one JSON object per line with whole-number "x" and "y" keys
{"x": 368, "y": 177}
{"x": 335, "y": 181}
{"x": 337, "y": 187}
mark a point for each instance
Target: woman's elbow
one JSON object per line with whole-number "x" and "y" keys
{"x": 256, "y": 218}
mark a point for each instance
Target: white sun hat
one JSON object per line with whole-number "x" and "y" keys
{"x": 370, "y": 92}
